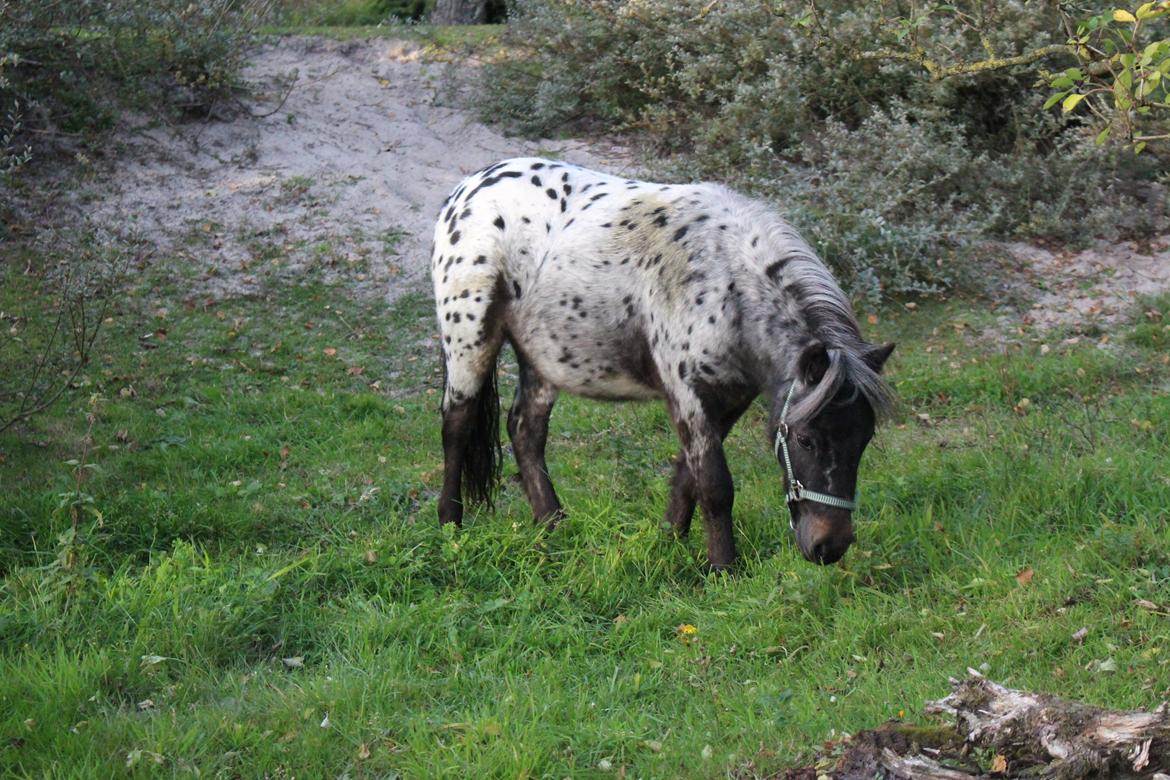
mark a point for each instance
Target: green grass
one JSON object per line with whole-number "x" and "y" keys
{"x": 267, "y": 557}
{"x": 440, "y": 38}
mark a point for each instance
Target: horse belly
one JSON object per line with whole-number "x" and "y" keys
{"x": 600, "y": 360}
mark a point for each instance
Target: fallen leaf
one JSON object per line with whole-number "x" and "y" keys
{"x": 1144, "y": 604}
{"x": 363, "y": 752}
{"x": 371, "y": 556}
{"x": 1080, "y": 634}
{"x": 1025, "y": 575}
{"x": 329, "y": 351}
{"x": 999, "y": 764}
{"x": 295, "y": 662}
{"x": 1108, "y": 665}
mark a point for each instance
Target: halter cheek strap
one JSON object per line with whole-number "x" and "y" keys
{"x": 797, "y": 491}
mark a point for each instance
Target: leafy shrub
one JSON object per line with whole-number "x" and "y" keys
{"x": 893, "y": 174}
{"x": 66, "y": 66}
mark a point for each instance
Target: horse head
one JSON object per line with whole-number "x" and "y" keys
{"x": 826, "y": 419}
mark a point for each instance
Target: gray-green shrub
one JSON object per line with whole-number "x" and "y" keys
{"x": 892, "y": 174}
{"x": 67, "y": 66}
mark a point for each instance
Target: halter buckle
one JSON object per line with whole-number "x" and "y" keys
{"x": 783, "y": 430}
{"x": 796, "y": 491}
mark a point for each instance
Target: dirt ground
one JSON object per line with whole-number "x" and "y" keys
{"x": 347, "y": 174}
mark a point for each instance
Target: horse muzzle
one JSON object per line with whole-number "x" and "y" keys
{"x": 823, "y": 537}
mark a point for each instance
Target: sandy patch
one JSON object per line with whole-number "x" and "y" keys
{"x": 346, "y": 177}
{"x": 1082, "y": 291}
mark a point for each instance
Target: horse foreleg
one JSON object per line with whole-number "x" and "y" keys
{"x": 680, "y": 507}
{"x": 528, "y": 429}
{"x": 715, "y": 493}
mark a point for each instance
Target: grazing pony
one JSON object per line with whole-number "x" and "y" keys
{"x": 618, "y": 289}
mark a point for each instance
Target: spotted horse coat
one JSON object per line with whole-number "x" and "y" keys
{"x": 620, "y": 289}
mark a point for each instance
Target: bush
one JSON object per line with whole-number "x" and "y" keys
{"x": 892, "y": 174}
{"x": 67, "y": 66}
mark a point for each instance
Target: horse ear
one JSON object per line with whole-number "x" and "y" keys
{"x": 877, "y": 357}
{"x": 812, "y": 363}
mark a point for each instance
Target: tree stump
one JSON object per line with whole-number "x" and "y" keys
{"x": 1064, "y": 739}
{"x": 1015, "y": 734}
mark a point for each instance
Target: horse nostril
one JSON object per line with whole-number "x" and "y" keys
{"x": 820, "y": 552}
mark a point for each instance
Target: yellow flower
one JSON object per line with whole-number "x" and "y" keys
{"x": 685, "y": 631}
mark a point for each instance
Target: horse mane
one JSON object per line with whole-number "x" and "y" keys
{"x": 830, "y": 320}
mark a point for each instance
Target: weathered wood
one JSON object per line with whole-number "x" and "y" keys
{"x": 921, "y": 768}
{"x": 1066, "y": 739}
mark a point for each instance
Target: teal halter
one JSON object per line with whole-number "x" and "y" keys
{"x": 797, "y": 491}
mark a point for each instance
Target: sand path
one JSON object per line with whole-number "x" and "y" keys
{"x": 346, "y": 177}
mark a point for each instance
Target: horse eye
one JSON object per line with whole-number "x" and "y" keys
{"x": 804, "y": 441}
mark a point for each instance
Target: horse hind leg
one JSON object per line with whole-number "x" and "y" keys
{"x": 528, "y": 430}
{"x": 472, "y": 334}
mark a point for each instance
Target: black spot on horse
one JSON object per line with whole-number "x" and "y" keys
{"x": 492, "y": 181}
{"x": 682, "y": 231}
{"x": 755, "y": 241}
{"x": 480, "y": 260}
{"x": 455, "y": 237}
{"x": 660, "y": 220}
{"x": 552, "y": 194}
{"x": 498, "y": 222}
{"x": 516, "y": 287}
{"x": 567, "y": 189}
{"x": 773, "y": 270}
{"x": 536, "y": 180}
{"x": 537, "y": 166}
{"x": 682, "y": 369}
{"x": 599, "y": 196}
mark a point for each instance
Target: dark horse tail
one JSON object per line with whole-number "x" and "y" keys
{"x": 481, "y": 467}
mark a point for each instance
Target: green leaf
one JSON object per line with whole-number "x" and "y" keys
{"x": 1071, "y": 101}
{"x": 1062, "y": 82}
{"x": 1102, "y": 136}
{"x": 1052, "y": 101}
{"x": 1137, "y": 148}
{"x": 1122, "y": 15}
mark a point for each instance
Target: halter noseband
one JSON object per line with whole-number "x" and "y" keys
{"x": 797, "y": 491}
